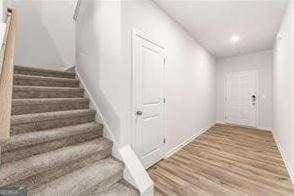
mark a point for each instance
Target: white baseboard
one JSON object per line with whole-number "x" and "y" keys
{"x": 258, "y": 127}
{"x": 264, "y": 128}
{"x": 187, "y": 141}
{"x": 284, "y": 157}
{"x": 220, "y": 122}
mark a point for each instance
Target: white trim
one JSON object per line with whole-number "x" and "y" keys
{"x": 264, "y": 128}
{"x": 258, "y": 127}
{"x": 187, "y": 141}
{"x": 137, "y": 33}
{"x": 220, "y": 122}
{"x": 135, "y": 172}
{"x": 283, "y": 154}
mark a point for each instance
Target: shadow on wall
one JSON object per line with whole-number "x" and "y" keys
{"x": 36, "y": 46}
{"x": 90, "y": 80}
{"x": 94, "y": 67}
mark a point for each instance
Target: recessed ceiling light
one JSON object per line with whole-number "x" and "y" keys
{"x": 235, "y": 39}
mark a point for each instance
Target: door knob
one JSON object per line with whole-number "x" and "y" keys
{"x": 139, "y": 113}
{"x": 253, "y": 99}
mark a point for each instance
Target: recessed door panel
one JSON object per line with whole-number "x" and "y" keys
{"x": 149, "y": 96}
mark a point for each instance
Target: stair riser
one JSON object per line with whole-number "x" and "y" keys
{"x": 27, "y": 94}
{"x": 45, "y": 74}
{"x": 27, "y": 151}
{"x": 51, "y": 124}
{"x": 24, "y": 81}
{"x": 44, "y": 177}
{"x": 49, "y": 107}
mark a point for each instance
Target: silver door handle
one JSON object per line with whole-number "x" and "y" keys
{"x": 139, "y": 113}
{"x": 253, "y": 100}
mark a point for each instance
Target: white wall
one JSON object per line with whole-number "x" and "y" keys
{"x": 190, "y": 77}
{"x": 45, "y": 33}
{"x": 2, "y": 25}
{"x": 261, "y": 61}
{"x": 1, "y": 11}
{"x": 283, "y": 85}
{"x": 98, "y": 58}
{"x": 104, "y": 62}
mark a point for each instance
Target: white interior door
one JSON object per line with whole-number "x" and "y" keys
{"x": 149, "y": 99}
{"x": 241, "y": 94}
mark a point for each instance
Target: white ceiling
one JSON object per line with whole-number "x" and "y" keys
{"x": 212, "y": 23}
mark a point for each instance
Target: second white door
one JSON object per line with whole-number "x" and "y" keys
{"x": 241, "y": 94}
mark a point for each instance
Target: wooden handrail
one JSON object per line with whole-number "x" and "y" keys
{"x": 6, "y": 77}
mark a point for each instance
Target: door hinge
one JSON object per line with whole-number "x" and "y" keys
{"x": 164, "y": 100}
{"x": 164, "y": 140}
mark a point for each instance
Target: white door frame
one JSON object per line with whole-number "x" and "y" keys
{"x": 135, "y": 88}
{"x": 257, "y": 95}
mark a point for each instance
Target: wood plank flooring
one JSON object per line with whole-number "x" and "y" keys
{"x": 225, "y": 160}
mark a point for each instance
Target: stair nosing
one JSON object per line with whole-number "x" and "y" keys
{"x": 36, "y": 101}
{"x": 46, "y": 88}
{"x": 19, "y": 67}
{"x": 38, "y": 117}
{"x": 46, "y": 78}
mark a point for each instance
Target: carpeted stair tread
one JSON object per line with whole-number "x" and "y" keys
{"x": 56, "y": 146}
{"x": 11, "y": 173}
{"x": 25, "y": 92}
{"x": 121, "y": 188}
{"x": 33, "y": 138}
{"x": 42, "y": 72}
{"x": 49, "y": 120}
{"x": 83, "y": 181}
{"x": 27, "y": 106}
{"x": 27, "y": 80}
{"x": 36, "y": 117}
{"x": 25, "y": 145}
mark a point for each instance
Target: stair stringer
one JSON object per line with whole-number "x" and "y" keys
{"x": 134, "y": 171}
{"x": 98, "y": 117}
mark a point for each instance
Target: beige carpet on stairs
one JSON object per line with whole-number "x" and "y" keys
{"x": 56, "y": 147}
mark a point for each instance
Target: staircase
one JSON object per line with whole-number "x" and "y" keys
{"x": 56, "y": 147}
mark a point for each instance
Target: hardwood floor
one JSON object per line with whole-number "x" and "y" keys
{"x": 225, "y": 160}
